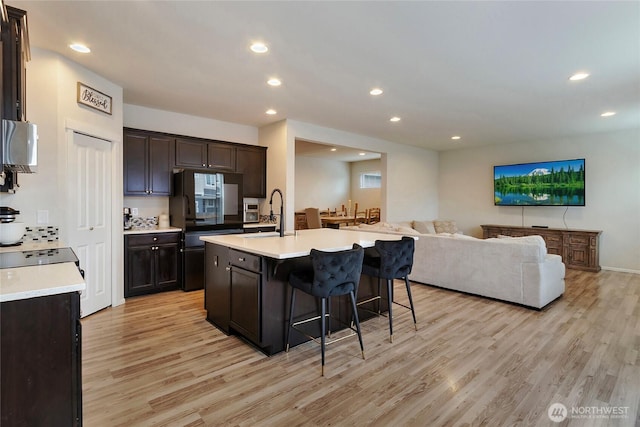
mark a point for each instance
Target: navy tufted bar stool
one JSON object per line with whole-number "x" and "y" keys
{"x": 394, "y": 260}
{"x": 333, "y": 274}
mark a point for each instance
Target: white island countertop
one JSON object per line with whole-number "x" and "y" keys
{"x": 299, "y": 244}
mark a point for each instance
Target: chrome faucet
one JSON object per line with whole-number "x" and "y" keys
{"x": 277, "y": 190}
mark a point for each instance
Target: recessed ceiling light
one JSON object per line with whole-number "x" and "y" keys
{"x": 259, "y": 47}
{"x": 274, "y": 82}
{"x": 362, "y": 154}
{"x": 455, "y": 137}
{"x": 78, "y": 47}
{"x": 394, "y": 119}
{"x": 375, "y": 91}
{"x": 334, "y": 149}
{"x": 271, "y": 112}
{"x": 579, "y": 76}
{"x": 608, "y": 114}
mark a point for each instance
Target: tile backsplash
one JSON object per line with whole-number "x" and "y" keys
{"x": 41, "y": 233}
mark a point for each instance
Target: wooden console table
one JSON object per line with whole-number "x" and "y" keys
{"x": 579, "y": 249}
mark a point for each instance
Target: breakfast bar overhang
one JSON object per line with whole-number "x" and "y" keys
{"x": 246, "y": 282}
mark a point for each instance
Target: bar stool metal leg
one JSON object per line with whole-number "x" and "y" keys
{"x": 357, "y": 321}
{"x": 413, "y": 312}
{"x": 323, "y": 336}
{"x": 390, "y": 296}
{"x": 293, "y": 301}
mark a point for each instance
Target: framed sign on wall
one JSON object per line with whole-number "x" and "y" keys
{"x": 93, "y": 98}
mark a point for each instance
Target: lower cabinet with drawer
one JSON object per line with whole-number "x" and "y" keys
{"x": 579, "y": 249}
{"x": 246, "y": 286}
{"x": 151, "y": 263}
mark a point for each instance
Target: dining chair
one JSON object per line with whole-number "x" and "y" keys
{"x": 313, "y": 218}
{"x": 373, "y": 215}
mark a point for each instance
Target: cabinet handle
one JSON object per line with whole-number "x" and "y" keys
{"x": 228, "y": 268}
{"x": 155, "y": 239}
{"x": 241, "y": 259}
{"x": 204, "y": 165}
{"x": 150, "y": 191}
{"x": 90, "y": 228}
{"x": 209, "y": 165}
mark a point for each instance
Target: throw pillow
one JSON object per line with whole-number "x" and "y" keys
{"x": 407, "y": 231}
{"x": 445, "y": 226}
{"x": 424, "y": 227}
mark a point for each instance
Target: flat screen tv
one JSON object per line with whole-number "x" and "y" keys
{"x": 555, "y": 183}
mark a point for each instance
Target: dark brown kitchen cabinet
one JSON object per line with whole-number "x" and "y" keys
{"x": 148, "y": 164}
{"x": 217, "y": 288}
{"x": 151, "y": 263}
{"x": 195, "y": 153}
{"x": 40, "y": 354}
{"x": 245, "y": 286}
{"x": 251, "y": 162}
{"x": 14, "y": 47}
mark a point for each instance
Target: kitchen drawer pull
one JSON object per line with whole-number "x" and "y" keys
{"x": 242, "y": 259}
{"x": 228, "y": 268}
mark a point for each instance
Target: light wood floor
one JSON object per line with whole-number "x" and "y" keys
{"x": 473, "y": 361}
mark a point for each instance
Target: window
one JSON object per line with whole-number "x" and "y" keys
{"x": 370, "y": 180}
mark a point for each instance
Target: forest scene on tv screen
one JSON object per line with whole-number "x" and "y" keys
{"x": 555, "y": 183}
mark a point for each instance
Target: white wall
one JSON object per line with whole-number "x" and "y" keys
{"x": 52, "y": 105}
{"x": 612, "y": 166}
{"x": 365, "y": 197}
{"x": 181, "y": 124}
{"x": 321, "y": 183}
{"x": 409, "y": 174}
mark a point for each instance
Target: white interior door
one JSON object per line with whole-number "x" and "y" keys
{"x": 89, "y": 217}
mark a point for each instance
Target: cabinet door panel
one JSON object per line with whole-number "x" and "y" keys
{"x": 245, "y": 302}
{"x": 217, "y": 291}
{"x": 160, "y": 166}
{"x": 167, "y": 266}
{"x": 139, "y": 267}
{"x": 221, "y": 156}
{"x": 191, "y": 154}
{"x": 135, "y": 165}
{"x": 252, "y": 164}
{"x": 40, "y": 378}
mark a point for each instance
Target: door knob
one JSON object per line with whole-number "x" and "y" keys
{"x": 90, "y": 228}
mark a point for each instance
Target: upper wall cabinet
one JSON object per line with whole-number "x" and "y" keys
{"x": 251, "y": 162}
{"x": 149, "y": 159}
{"x": 194, "y": 153}
{"x": 14, "y": 53}
{"x": 148, "y": 163}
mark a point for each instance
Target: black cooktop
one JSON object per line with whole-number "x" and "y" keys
{"x": 37, "y": 257}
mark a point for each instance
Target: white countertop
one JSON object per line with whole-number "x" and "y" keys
{"x": 35, "y": 246}
{"x": 291, "y": 246}
{"x": 40, "y": 280}
{"x": 152, "y": 230}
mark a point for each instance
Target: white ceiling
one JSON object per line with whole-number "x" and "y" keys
{"x": 492, "y": 72}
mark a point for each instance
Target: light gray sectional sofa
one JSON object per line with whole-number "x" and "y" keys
{"x": 514, "y": 269}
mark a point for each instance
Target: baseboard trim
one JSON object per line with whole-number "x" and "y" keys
{"x": 621, "y": 270}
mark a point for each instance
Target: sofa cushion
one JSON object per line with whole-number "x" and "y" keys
{"x": 424, "y": 227}
{"x": 442, "y": 226}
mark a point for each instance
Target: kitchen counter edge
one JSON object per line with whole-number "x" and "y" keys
{"x": 40, "y": 280}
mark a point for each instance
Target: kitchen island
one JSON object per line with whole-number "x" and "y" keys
{"x": 246, "y": 282}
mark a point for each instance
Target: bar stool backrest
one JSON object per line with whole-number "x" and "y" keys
{"x": 396, "y": 257}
